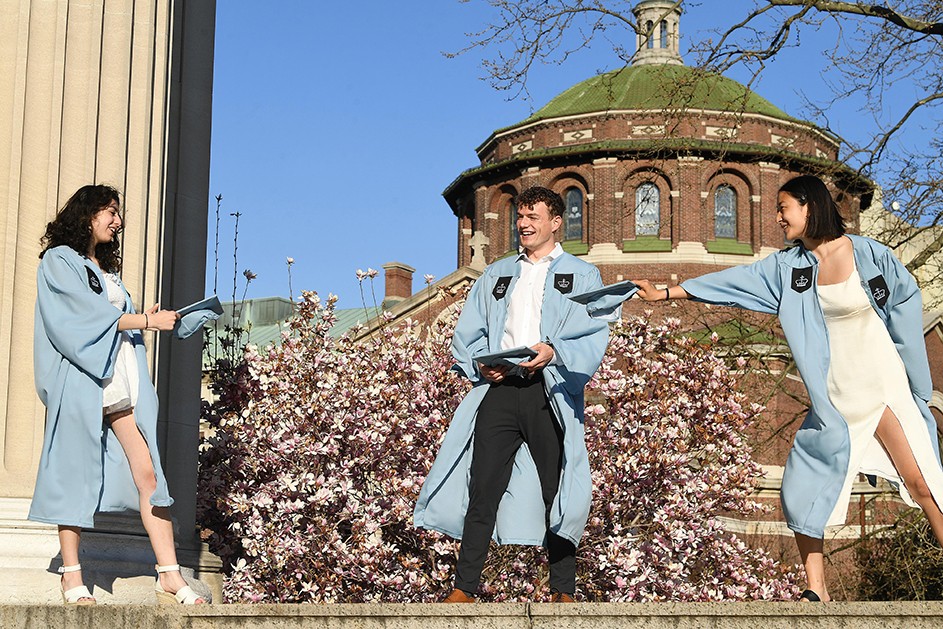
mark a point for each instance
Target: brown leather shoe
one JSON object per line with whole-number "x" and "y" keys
{"x": 561, "y": 597}
{"x": 458, "y": 596}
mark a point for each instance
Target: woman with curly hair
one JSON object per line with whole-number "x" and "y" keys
{"x": 100, "y": 446}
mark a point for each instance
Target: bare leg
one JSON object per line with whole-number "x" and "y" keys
{"x": 891, "y": 435}
{"x": 811, "y": 551}
{"x": 156, "y": 520}
{"x": 69, "y": 538}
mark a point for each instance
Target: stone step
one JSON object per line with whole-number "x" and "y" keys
{"x": 752, "y": 615}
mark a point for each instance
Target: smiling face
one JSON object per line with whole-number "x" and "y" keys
{"x": 791, "y": 216}
{"x": 536, "y": 227}
{"x": 106, "y": 223}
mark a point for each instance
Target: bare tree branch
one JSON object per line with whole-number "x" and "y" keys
{"x": 723, "y": 58}
{"x": 924, "y": 256}
{"x": 869, "y": 10}
{"x": 886, "y": 137}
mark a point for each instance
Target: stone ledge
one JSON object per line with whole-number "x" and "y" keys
{"x": 891, "y": 615}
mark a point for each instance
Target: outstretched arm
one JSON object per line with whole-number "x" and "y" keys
{"x": 757, "y": 286}
{"x": 648, "y": 292}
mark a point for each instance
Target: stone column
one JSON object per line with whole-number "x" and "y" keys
{"x": 770, "y": 177}
{"x": 480, "y": 232}
{"x": 101, "y": 91}
{"x": 692, "y": 217}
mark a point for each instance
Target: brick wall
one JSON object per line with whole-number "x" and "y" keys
{"x": 753, "y": 154}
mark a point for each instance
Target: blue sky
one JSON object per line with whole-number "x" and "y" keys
{"x": 336, "y": 127}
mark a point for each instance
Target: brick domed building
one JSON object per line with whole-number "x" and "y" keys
{"x": 666, "y": 171}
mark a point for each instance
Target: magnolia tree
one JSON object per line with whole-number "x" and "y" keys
{"x": 306, "y": 491}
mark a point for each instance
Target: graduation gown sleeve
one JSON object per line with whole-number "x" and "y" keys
{"x": 471, "y": 332}
{"x": 904, "y": 321}
{"x": 579, "y": 338}
{"x": 79, "y": 324}
{"x": 756, "y": 286}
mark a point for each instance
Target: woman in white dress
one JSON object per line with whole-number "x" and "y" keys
{"x": 852, "y": 316}
{"x": 100, "y": 443}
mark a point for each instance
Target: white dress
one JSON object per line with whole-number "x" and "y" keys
{"x": 865, "y": 376}
{"x": 120, "y": 392}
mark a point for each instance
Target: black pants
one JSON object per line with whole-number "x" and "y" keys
{"x": 513, "y": 412}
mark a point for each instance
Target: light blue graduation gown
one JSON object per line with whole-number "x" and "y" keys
{"x": 579, "y": 342}
{"x": 785, "y": 284}
{"x": 83, "y": 468}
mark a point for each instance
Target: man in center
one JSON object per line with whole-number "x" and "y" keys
{"x": 513, "y": 464}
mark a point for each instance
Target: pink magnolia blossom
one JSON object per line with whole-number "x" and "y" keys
{"x": 307, "y": 486}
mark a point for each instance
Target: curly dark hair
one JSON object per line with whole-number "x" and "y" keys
{"x": 536, "y": 194}
{"x": 73, "y": 224}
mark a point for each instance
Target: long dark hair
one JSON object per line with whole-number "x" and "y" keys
{"x": 824, "y": 221}
{"x": 73, "y": 226}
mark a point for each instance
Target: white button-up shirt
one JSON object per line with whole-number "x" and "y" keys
{"x": 522, "y": 326}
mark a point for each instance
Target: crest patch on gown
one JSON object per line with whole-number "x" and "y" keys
{"x": 801, "y": 279}
{"x": 501, "y": 287}
{"x": 879, "y": 290}
{"x": 93, "y": 282}
{"x": 563, "y": 282}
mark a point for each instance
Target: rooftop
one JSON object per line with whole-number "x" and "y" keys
{"x": 659, "y": 88}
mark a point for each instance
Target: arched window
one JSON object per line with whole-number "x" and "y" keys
{"x": 650, "y": 31}
{"x": 725, "y": 212}
{"x": 515, "y": 238}
{"x": 573, "y": 220}
{"x": 647, "y": 210}
{"x": 664, "y": 33}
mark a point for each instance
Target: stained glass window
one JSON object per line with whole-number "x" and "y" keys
{"x": 647, "y": 210}
{"x": 725, "y": 212}
{"x": 573, "y": 220}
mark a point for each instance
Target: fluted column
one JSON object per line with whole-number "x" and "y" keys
{"x": 105, "y": 91}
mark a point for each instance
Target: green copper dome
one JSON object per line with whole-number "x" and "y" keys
{"x": 656, "y": 87}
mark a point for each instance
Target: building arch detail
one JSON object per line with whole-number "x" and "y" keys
{"x": 561, "y": 184}
{"x": 503, "y": 205}
{"x": 743, "y": 189}
{"x": 630, "y": 192}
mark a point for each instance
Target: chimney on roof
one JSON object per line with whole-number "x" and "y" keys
{"x": 399, "y": 283}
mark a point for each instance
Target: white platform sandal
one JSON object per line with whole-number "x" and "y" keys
{"x": 183, "y": 596}
{"x": 79, "y": 595}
